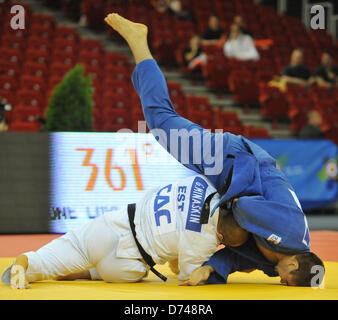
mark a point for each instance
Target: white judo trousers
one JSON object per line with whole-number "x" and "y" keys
{"x": 167, "y": 227}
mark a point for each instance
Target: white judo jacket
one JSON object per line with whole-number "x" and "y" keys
{"x": 167, "y": 225}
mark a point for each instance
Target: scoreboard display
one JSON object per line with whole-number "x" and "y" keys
{"x": 54, "y": 182}
{"x": 94, "y": 173}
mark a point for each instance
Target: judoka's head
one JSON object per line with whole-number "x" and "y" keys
{"x": 300, "y": 270}
{"x": 229, "y": 231}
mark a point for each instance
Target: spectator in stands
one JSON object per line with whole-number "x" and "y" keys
{"x": 214, "y": 32}
{"x": 313, "y": 128}
{"x": 3, "y": 123}
{"x": 239, "y": 45}
{"x": 240, "y": 22}
{"x": 160, "y": 5}
{"x": 175, "y": 8}
{"x": 296, "y": 72}
{"x": 193, "y": 54}
{"x": 327, "y": 74}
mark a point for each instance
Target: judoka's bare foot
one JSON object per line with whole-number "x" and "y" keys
{"x": 18, "y": 273}
{"x": 134, "y": 33}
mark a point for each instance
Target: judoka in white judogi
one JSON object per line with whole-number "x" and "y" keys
{"x": 167, "y": 224}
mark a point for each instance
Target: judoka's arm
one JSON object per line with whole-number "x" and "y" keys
{"x": 218, "y": 268}
{"x": 195, "y": 147}
{"x": 194, "y": 249}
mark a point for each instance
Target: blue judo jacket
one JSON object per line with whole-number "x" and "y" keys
{"x": 267, "y": 205}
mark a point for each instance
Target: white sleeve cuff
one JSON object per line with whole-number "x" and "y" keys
{"x": 94, "y": 274}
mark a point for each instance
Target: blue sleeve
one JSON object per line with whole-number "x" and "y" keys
{"x": 193, "y": 146}
{"x": 226, "y": 262}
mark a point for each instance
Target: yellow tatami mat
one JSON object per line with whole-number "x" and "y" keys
{"x": 241, "y": 286}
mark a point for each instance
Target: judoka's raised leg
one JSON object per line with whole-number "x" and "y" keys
{"x": 134, "y": 33}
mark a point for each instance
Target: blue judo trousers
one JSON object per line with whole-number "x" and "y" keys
{"x": 267, "y": 205}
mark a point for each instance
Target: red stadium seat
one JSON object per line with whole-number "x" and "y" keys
{"x": 116, "y": 119}
{"x": 116, "y": 101}
{"x": 38, "y": 43}
{"x": 43, "y": 20}
{"x": 196, "y": 104}
{"x": 216, "y": 72}
{"x": 95, "y": 72}
{"x": 66, "y": 33}
{"x": 59, "y": 69}
{"x": 11, "y": 55}
{"x": 256, "y": 132}
{"x": 332, "y": 134}
{"x": 177, "y": 97}
{"x": 12, "y": 42}
{"x": 264, "y": 76}
{"x": 273, "y": 103}
{"x": 294, "y": 92}
{"x": 72, "y": 9}
{"x": 241, "y": 65}
{"x": 244, "y": 87}
{"x": 328, "y": 109}
{"x": 35, "y": 69}
{"x": 117, "y": 59}
{"x": 300, "y": 105}
{"x": 66, "y": 45}
{"x": 90, "y": 58}
{"x": 318, "y": 94}
{"x": 25, "y": 113}
{"x": 33, "y": 83}
{"x": 33, "y": 55}
{"x": 64, "y": 57}
{"x": 213, "y": 50}
{"x": 53, "y": 81}
{"x": 30, "y": 98}
{"x": 24, "y": 126}
{"x": 8, "y": 82}
{"x": 229, "y": 119}
{"x": 117, "y": 72}
{"x": 203, "y": 118}
{"x": 165, "y": 44}
{"x": 94, "y": 11}
{"x": 298, "y": 110}
{"x": 10, "y": 68}
{"x": 117, "y": 86}
{"x": 43, "y": 32}
{"x": 8, "y": 96}
{"x": 233, "y": 129}
{"x": 91, "y": 45}
{"x": 265, "y": 65}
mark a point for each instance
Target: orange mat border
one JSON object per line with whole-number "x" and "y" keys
{"x": 323, "y": 243}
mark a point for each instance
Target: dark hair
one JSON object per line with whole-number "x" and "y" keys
{"x": 298, "y": 49}
{"x": 304, "y": 274}
{"x": 233, "y": 234}
{"x": 329, "y": 53}
{"x": 214, "y": 15}
{"x": 2, "y": 111}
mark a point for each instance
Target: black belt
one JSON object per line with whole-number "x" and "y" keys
{"x": 147, "y": 258}
{"x": 206, "y": 206}
{"x": 205, "y": 213}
